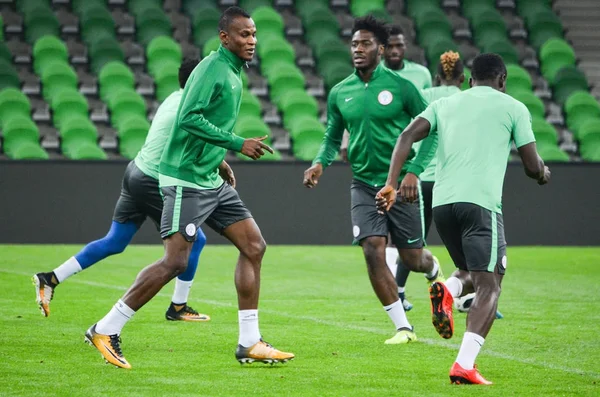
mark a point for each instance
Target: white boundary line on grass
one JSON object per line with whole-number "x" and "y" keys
{"x": 349, "y": 326}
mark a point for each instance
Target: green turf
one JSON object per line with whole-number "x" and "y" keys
{"x": 316, "y": 302}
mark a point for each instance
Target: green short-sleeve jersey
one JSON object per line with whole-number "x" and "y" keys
{"x": 431, "y": 95}
{"x": 475, "y": 129}
{"x": 148, "y": 159}
{"x": 417, "y": 74}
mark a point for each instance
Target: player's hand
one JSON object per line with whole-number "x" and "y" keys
{"x": 546, "y": 178}
{"x": 226, "y": 173}
{"x": 255, "y": 148}
{"x": 385, "y": 198}
{"x": 409, "y": 188}
{"x": 344, "y": 154}
{"x": 312, "y": 175}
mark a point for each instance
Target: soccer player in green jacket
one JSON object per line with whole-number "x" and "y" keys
{"x": 476, "y": 129}
{"x": 194, "y": 192}
{"x": 375, "y": 105}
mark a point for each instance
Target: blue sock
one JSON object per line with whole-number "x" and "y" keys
{"x": 119, "y": 236}
{"x": 189, "y": 273}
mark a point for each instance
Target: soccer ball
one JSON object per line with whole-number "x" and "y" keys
{"x": 463, "y": 304}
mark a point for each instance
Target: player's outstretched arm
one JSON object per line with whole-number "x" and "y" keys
{"x": 418, "y": 129}
{"x": 533, "y": 164}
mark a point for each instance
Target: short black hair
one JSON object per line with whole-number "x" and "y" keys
{"x": 373, "y": 25}
{"x": 487, "y": 67}
{"x": 395, "y": 30}
{"x": 229, "y": 14}
{"x": 186, "y": 68}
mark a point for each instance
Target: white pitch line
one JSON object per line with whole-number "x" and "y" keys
{"x": 349, "y": 326}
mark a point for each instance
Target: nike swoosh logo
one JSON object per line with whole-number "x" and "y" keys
{"x": 348, "y": 99}
{"x": 413, "y": 240}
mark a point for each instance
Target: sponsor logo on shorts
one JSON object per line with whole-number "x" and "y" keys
{"x": 355, "y": 230}
{"x": 190, "y": 230}
{"x": 385, "y": 97}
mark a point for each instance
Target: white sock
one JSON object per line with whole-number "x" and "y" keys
{"x": 391, "y": 259}
{"x": 454, "y": 286}
{"x": 249, "y": 333}
{"x": 398, "y": 315}
{"x": 67, "y": 269}
{"x": 469, "y": 349}
{"x": 115, "y": 320}
{"x": 401, "y": 290}
{"x": 433, "y": 271}
{"x": 182, "y": 291}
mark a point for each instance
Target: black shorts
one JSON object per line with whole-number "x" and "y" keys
{"x": 187, "y": 208}
{"x": 140, "y": 198}
{"x": 403, "y": 222}
{"x": 473, "y": 235}
{"x": 427, "y": 194}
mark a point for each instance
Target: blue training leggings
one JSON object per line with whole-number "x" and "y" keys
{"x": 118, "y": 238}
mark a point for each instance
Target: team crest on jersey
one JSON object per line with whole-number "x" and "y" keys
{"x": 385, "y": 97}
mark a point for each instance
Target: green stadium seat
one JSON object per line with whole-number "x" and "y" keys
{"x": 205, "y": 24}
{"x": 543, "y": 26}
{"x": 432, "y": 25}
{"x": 552, "y": 153}
{"x": 5, "y": 53}
{"x": 589, "y": 140}
{"x": 250, "y": 105}
{"x": 273, "y": 51}
{"x": 437, "y": 48}
{"x": 331, "y": 51}
{"x": 268, "y": 21}
{"x": 47, "y": 50}
{"x": 124, "y": 104}
{"x": 191, "y": 7}
{"x": 162, "y": 50}
{"x": 39, "y": 22}
{"x": 518, "y": 79}
{"x": 13, "y": 103}
{"x": 132, "y": 134}
{"x": 534, "y": 104}
{"x": 79, "y": 139}
{"x": 320, "y": 25}
{"x": 488, "y": 26}
{"x": 554, "y": 55}
{"x": 504, "y": 48}
{"x": 137, "y": 7}
{"x": 474, "y": 7}
{"x": 307, "y": 144}
{"x": 306, "y": 125}
{"x": 580, "y": 107}
{"x": 167, "y": 79}
{"x": 592, "y": 154}
{"x": 211, "y": 45}
{"x": 81, "y": 6}
{"x": 416, "y": 7}
{"x": 104, "y": 50}
{"x": 251, "y": 5}
{"x": 362, "y": 7}
{"x": 66, "y": 104}
{"x": 296, "y": 105}
{"x": 23, "y": 6}
{"x": 96, "y": 22}
{"x": 544, "y": 132}
{"x": 568, "y": 80}
{"x": 380, "y": 13}
{"x": 56, "y": 77}
{"x": 528, "y": 8}
{"x": 8, "y": 75}
{"x": 26, "y": 150}
{"x": 250, "y": 126}
{"x": 284, "y": 77}
{"x": 151, "y": 23}
{"x": 19, "y": 134}
{"x": 465, "y": 84}
{"x": 113, "y": 77}
{"x": 335, "y": 72}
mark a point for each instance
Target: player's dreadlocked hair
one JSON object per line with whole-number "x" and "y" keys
{"x": 373, "y": 25}
{"x": 186, "y": 68}
{"x": 450, "y": 67}
{"x": 487, "y": 67}
{"x": 229, "y": 14}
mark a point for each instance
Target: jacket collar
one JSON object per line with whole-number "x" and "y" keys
{"x": 235, "y": 61}
{"x": 375, "y": 74}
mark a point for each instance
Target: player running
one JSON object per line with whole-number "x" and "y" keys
{"x": 475, "y": 129}
{"x": 194, "y": 192}
{"x": 140, "y": 198}
{"x": 375, "y": 105}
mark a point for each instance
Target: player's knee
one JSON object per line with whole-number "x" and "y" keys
{"x": 372, "y": 247}
{"x": 176, "y": 263}
{"x": 113, "y": 245}
{"x": 255, "y": 250}
{"x": 412, "y": 258}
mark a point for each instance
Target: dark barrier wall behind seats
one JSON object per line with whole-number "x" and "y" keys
{"x": 72, "y": 202}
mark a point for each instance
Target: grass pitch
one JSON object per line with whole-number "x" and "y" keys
{"x": 316, "y": 302}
